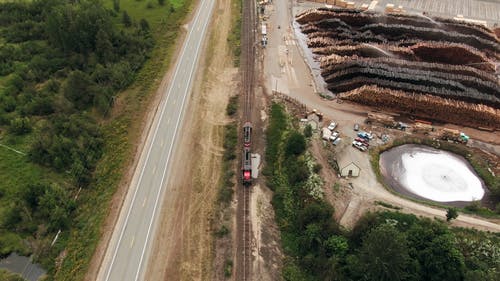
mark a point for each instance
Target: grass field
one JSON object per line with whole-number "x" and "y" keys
{"x": 17, "y": 171}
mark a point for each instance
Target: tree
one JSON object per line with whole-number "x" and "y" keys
{"x": 297, "y": 171}
{"x": 161, "y": 2}
{"x": 451, "y": 213}
{"x": 126, "y": 20}
{"x": 116, "y": 5}
{"x": 441, "y": 260}
{"x": 73, "y": 27}
{"x": 432, "y": 245}
{"x": 296, "y": 144}
{"x": 103, "y": 46}
{"x": 384, "y": 254}
{"x": 78, "y": 89}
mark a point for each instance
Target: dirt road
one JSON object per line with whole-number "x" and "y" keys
{"x": 287, "y": 72}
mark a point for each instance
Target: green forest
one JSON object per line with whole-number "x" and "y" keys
{"x": 382, "y": 246}
{"x": 63, "y": 66}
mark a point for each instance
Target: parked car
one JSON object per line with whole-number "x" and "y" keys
{"x": 337, "y": 141}
{"x": 363, "y": 141}
{"x": 359, "y": 145}
{"x": 334, "y": 135}
{"x": 365, "y": 135}
{"x": 356, "y": 127}
{"x": 332, "y": 126}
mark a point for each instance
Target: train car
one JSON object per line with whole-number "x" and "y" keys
{"x": 247, "y": 134}
{"x": 246, "y": 167}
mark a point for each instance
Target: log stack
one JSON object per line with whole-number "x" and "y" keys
{"x": 434, "y": 68}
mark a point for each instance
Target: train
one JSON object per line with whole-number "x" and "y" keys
{"x": 246, "y": 165}
{"x": 247, "y": 134}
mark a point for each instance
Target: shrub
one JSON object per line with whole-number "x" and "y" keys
{"x": 317, "y": 168}
{"x": 451, "y": 214}
{"x": 228, "y": 268}
{"x": 20, "y": 126}
{"x": 126, "y": 20}
{"x": 223, "y": 231}
{"x": 232, "y": 106}
{"x": 308, "y": 131}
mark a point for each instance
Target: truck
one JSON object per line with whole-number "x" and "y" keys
{"x": 422, "y": 128}
{"x": 385, "y": 120}
{"x": 326, "y": 134}
{"x": 453, "y": 135}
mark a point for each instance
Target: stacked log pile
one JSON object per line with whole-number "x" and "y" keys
{"x": 426, "y": 106}
{"x": 434, "y": 68}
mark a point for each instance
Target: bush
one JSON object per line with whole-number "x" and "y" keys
{"x": 317, "y": 168}
{"x": 232, "y": 106}
{"x": 308, "y": 131}
{"x": 228, "y": 268}
{"x": 451, "y": 213}
{"x": 126, "y": 20}
{"x": 223, "y": 231}
{"x": 144, "y": 24}
{"x": 20, "y": 126}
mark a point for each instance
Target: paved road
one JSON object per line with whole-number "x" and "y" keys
{"x": 127, "y": 254}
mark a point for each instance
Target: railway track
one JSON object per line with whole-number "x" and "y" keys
{"x": 244, "y": 252}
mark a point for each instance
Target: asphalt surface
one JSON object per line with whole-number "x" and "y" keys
{"x": 128, "y": 251}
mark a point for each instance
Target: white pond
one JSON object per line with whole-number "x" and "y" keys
{"x": 431, "y": 174}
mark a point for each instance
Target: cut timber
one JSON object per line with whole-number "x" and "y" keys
{"x": 426, "y": 106}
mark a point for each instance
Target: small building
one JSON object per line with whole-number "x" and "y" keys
{"x": 349, "y": 169}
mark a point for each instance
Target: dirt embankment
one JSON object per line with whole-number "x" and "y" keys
{"x": 183, "y": 250}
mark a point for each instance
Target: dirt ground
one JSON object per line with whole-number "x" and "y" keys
{"x": 183, "y": 250}
{"x": 350, "y": 197}
{"x": 266, "y": 246}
